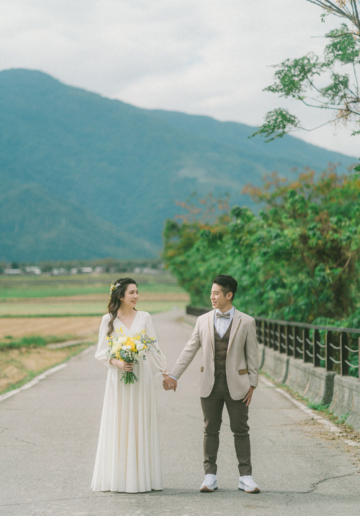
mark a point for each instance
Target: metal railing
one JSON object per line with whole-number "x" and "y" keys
{"x": 335, "y": 349}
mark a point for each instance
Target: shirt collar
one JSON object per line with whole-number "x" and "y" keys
{"x": 231, "y": 311}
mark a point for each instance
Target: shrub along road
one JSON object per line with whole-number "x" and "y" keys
{"x": 49, "y": 434}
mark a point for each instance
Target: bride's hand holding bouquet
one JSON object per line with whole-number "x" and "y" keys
{"x": 125, "y": 351}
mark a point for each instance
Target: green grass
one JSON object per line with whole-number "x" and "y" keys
{"x": 33, "y": 341}
{"x": 319, "y": 407}
{"x": 73, "y": 351}
{"x": 71, "y": 285}
{"x": 20, "y": 310}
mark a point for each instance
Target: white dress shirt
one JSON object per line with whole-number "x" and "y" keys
{"x": 222, "y": 323}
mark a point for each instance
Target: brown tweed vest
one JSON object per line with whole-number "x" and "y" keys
{"x": 221, "y": 347}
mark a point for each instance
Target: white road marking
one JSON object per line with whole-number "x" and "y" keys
{"x": 42, "y": 376}
{"x": 33, "y": 382}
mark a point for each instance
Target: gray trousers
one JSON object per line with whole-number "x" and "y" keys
{"x": 212, "y": 407}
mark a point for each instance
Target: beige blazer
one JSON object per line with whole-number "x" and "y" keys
{"x": 242, "y": 364}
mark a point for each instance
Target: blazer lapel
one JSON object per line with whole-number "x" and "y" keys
{"x": 212, "y": 330}
{"x": 234, "y": 328}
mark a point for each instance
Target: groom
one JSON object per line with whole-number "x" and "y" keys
{"x": 229, "y": 374}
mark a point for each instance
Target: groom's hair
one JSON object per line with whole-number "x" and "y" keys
{"x": 227, "y": 284}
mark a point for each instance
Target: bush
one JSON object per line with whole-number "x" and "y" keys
{"x": 297, "y": 260}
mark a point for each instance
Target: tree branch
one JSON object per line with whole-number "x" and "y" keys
{"x": 321, "y": 107}
{"x": 329, "y": 6}
{"x": 317, "y": 127}
{"x": 357, "y": 82}
{"x": 351, "y": 15}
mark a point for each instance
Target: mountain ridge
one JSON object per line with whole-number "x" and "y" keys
{"x": 124, "y": 165}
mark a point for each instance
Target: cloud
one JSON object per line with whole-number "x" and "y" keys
{"x": 207, "y": 57}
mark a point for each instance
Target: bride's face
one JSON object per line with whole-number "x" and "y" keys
{"x": 131, "y": 296}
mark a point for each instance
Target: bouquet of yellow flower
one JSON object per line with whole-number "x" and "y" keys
{"x": 130, "y": 350}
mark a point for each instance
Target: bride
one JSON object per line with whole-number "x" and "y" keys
{"x": 128, "y": 453}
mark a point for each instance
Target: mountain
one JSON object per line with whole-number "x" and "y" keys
{"x": 57, "y": 228}
{"x": 104, "y": 175}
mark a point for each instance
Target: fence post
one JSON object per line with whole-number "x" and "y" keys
{"x": 291, "y": 340}
{"x": 263, "y": 332}
{"x": 306, "y": 348}
{"x": 344, "y": 354}
{"x": 328, "y": 353}
{"x": 316, "y": 348}
{"x": 286, "y": 332}
{"x": 266, "y": 336}
{"x": 281, "y": 339}
{"x": 297, "y": 335}
{"x": 273, "y": 336}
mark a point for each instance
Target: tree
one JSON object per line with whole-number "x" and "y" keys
{"x": 329, "y": 83}
{"x": 297, "y": 260}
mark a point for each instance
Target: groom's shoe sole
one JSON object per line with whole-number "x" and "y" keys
{"x": 256, "y": 491}
{"x": 205, "y": 489}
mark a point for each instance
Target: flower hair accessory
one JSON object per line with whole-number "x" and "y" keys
{"x": 113, "y": 287}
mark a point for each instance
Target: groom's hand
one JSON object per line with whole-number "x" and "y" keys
{"x": 169, "y": 384}
{"x": 248, "y": 397}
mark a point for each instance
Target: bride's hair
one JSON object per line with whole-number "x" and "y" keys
{"x": 117, "y": 291}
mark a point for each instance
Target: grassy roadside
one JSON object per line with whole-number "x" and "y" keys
{"x": 32, "y": 341}
{"x": 20, "y": 363}
{"x": 323, "y": 410}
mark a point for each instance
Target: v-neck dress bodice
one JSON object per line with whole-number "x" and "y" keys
{"x": 128, "y": 454}
{"x": 118, "y": 323}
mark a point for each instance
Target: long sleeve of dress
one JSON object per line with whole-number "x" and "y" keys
{"x": 156, "y": 357}
{"x": 103, "y": 343}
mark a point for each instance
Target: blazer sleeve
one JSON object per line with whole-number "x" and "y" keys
{"x": 188, "y": 353}
{"x": 251, "y": 348}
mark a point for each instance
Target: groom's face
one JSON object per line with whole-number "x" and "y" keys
{"x": 218, "y": 299}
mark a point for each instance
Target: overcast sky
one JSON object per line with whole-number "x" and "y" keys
{"x": 209, "y": 57}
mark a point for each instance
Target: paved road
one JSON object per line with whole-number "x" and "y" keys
{"x": 48, "y": 437}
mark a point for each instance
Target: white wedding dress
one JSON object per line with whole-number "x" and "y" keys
{"x": 128, "y": 454}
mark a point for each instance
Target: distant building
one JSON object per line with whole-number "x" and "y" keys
{"x": 145, "y": 270}
{"x": 86, "y": 270}
{"x": 13, "y": 272}
{"x": 58, "y": 272}
{"x": 33, "y": 269}
{"x": 99, "y": 269}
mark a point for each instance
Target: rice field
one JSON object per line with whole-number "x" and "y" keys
{"x": 25, "y": 287}
{"x": 68, "y": 307}
{"x": 85, "y": 305}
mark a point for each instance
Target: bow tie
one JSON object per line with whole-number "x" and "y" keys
{"x": 219, "y": 314}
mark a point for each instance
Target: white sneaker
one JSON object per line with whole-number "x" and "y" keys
{"x": 247, "y": 484}
{"x": 209, "y": 485}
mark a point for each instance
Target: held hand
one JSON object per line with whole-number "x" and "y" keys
{"x": 248, "y": 397}
{"x": 169, "y": 384}
{"x": 121, "y": 364}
